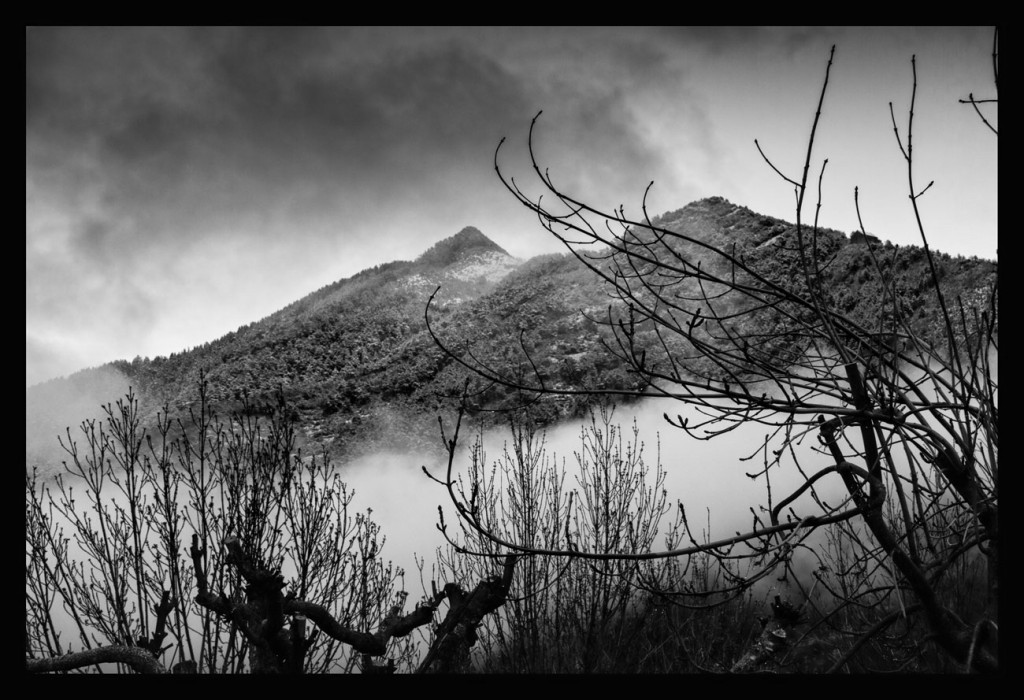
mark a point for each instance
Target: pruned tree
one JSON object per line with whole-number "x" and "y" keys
{"x": 906, "y": 419}
{"x": 281, "y": 575}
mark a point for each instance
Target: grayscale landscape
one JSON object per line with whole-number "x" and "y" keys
{"x": 492, "y": 350}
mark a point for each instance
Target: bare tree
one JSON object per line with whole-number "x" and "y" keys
{"x": 563, "y": 614}
{"x": 906, "y": 420}
{"x": 281, "y": 575}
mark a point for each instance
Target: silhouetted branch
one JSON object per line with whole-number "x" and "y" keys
{"x": 138, "y": 659}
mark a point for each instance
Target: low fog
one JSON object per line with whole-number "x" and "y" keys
{"x": 53, "y": 407}
{"x": 709, "y": 477}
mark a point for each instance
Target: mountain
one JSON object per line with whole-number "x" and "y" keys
{"x": 467, "y": 243}
{"x": 361, "y": 374}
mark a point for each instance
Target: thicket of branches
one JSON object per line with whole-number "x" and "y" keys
{"x": 567, "y": 614}
{"x": 214, "y": 547}
{"x": 908, "y": 427}
{"x": 220, "y": 550}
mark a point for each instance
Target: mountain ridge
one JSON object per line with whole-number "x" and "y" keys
{"x": 355, "y": 363}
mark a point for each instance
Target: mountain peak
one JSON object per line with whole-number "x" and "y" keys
{"x": 467, "y": 241}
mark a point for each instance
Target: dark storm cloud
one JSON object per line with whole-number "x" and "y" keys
{"x": 217, "y": 120}
{"x": 264, "y": 111}
{"x": 170, "y": 155}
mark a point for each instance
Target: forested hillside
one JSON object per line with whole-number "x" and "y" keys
{"x": 360, "y": 373}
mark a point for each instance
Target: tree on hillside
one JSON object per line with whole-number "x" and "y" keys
{"x": 220, "y": 550}
{"x": 905, "y": 422}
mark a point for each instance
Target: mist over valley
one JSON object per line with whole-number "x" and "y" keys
{"x": 365, "y": 383}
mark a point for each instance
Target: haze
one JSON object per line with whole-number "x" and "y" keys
{"x": 182, "y": 182}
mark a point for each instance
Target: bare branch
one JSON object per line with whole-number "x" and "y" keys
{"x": 136, "y": 658}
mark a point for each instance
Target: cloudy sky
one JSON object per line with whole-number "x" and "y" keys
{"x": 181, "y": 182}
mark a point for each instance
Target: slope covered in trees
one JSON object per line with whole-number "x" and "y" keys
{"x": 355, "y": 361}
